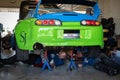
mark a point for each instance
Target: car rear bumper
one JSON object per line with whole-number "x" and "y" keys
{"x": 60, "y": 36}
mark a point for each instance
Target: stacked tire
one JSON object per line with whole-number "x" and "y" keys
{"x": 109, "y": 31}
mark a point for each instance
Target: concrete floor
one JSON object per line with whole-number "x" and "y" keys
{"x": 19, "y": 71}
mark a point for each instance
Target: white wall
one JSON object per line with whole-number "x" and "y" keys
{"x": 110, "y": 8}
{"x": 9, "y": 19}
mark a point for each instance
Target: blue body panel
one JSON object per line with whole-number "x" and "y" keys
{"x": 75, "y": 18}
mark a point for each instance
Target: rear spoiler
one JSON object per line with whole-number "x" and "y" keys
{"x": 79, "y": 2}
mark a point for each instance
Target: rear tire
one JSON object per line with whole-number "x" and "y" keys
{"x": 21, "y": 55}
{"x": 94, "y": 51}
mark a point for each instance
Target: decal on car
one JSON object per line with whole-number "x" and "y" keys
{"x": 23, "y": 37}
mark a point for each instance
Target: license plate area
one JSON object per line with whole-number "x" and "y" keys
{"x": 72, "y": 34}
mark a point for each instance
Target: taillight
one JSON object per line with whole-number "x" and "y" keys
{"x": 45, "y": 22}
{"x": 38, "y": 22}
{"x": 90, "y": 23}
{"x": 51, "y": 22}
{"x": 48, "y": 22}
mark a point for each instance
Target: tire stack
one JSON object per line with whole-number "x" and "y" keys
{"x": 109, "y": 31}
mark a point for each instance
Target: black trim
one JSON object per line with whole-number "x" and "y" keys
{"x": 79, "y": 2}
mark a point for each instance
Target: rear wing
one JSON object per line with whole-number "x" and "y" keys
{"x": 78, "y": 2}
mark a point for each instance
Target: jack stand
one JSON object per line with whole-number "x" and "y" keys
{"x": 46, "y": 63}
{"x": 72, "y": 64}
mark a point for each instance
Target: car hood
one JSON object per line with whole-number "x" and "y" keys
{"x": 67, "y": 16}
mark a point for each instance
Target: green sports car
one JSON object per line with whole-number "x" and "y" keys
{"x": 61, "y": 23}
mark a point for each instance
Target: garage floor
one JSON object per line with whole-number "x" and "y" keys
{"x": 20, "y": 71}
